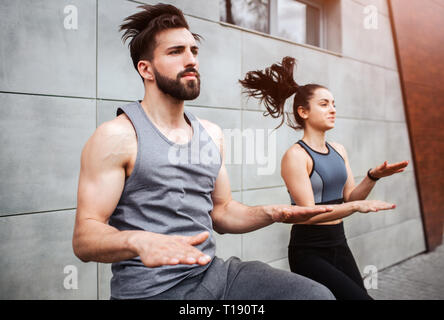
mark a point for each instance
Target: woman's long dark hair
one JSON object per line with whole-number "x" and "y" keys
{"x": 274, "y": 86}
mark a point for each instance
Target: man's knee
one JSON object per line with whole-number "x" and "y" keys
{"x": 320, "y": 292}
{"x": 308, "y": 289}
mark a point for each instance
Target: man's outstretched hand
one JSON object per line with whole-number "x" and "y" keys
{"x": 295, "y": 214}
{"x": 157, "y": 249}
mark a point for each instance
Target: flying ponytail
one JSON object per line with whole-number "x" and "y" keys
{"x": 274, "y": 86}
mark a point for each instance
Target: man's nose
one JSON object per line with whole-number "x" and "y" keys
{"x": 190, "y": 59}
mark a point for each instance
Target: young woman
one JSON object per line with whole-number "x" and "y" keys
{"x": 318, "y": 172}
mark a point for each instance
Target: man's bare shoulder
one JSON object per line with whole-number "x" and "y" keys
{"x": 211, "y": 127}
{"x": 213, "y": 130}
{"x": 118, "y": 128}
{"x": 116, "y": 138}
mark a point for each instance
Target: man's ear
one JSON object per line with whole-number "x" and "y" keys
{"x": 145, "y": 69}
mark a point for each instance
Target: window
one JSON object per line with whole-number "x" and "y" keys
{"x": 250, "y": 14}
{"x": 296, "y": 20}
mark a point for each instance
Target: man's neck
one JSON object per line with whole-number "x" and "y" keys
{"x": 164, "y": 110}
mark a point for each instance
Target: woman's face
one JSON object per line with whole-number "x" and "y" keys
{"x": 322, "y": 113}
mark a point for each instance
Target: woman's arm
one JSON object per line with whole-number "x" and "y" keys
{"x": 363, "y": 189}
{"x": 295, "y": 168}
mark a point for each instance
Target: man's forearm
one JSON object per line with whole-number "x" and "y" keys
{"x": 235, "y": 217}
{"x": 99, "y": 242}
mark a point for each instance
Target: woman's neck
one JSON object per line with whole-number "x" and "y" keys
{"x": 315, "y": 139}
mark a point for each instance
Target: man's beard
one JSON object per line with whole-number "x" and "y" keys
{"x": 175, "y": 88}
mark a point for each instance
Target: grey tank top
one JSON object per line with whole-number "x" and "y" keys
{"x": 328, "y": 175}
{"x": 168, "y": 192}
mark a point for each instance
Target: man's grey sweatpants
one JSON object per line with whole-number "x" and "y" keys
{"x": 250, "y": 280}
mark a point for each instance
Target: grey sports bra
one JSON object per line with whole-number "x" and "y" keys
{"x": 328, "y": 175}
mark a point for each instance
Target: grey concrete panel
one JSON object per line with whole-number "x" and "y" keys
{"x": 367, "y": 44}
{"x": 106, "y": 110}
{"x": 207, "y": 9}
{"x": 398, "y": 144}
{"x": 312, "y": 66}
{"x": 381, "y": 5}
{"x": 263, "y": 149}
{"x": 38, "y": 260}
{"x": 228, "y": 245}
{"x": 388, "y": 246}
{"x": 358, "y": 88}
{"x": 219, "y": 64}
{"x": 40, "y": 158}
{"x": 40, "y": 53}
{"x": 104, "y": 281}
{"x": 280, "y": 264}
{"x": 269, "y": 243}
{"x": 259, "y": 52}
{"x": 361, "y": 223}
{"x": 116, "y": 76}
{"x": 364, "y": 141}
{"x": 401, "y": 190}
{"x": 394, "y": 105}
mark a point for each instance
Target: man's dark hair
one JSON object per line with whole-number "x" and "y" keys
{"x": 143, "y": 26}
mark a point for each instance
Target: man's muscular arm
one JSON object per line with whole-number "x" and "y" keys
{"x": 102, "y": 178}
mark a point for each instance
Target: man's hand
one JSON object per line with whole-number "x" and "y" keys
{"x": 295, "y": 214}
{"x": 365, "y": 206}
{"x": 157, "y": 249}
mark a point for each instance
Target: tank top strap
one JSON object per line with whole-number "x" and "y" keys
{"x": 135, "y": 114}
{"x": 306, "y": 148}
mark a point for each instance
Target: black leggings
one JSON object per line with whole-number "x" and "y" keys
{"x": 321, "y": 253}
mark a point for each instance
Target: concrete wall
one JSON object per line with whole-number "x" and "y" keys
{"x": 58, "y": 84}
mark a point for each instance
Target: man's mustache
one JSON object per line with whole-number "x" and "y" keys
{"x": 188, "y": 70}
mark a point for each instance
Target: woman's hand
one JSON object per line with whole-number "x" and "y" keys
{"x": 386, "y": 169}
{"x": 365, "y": 206}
